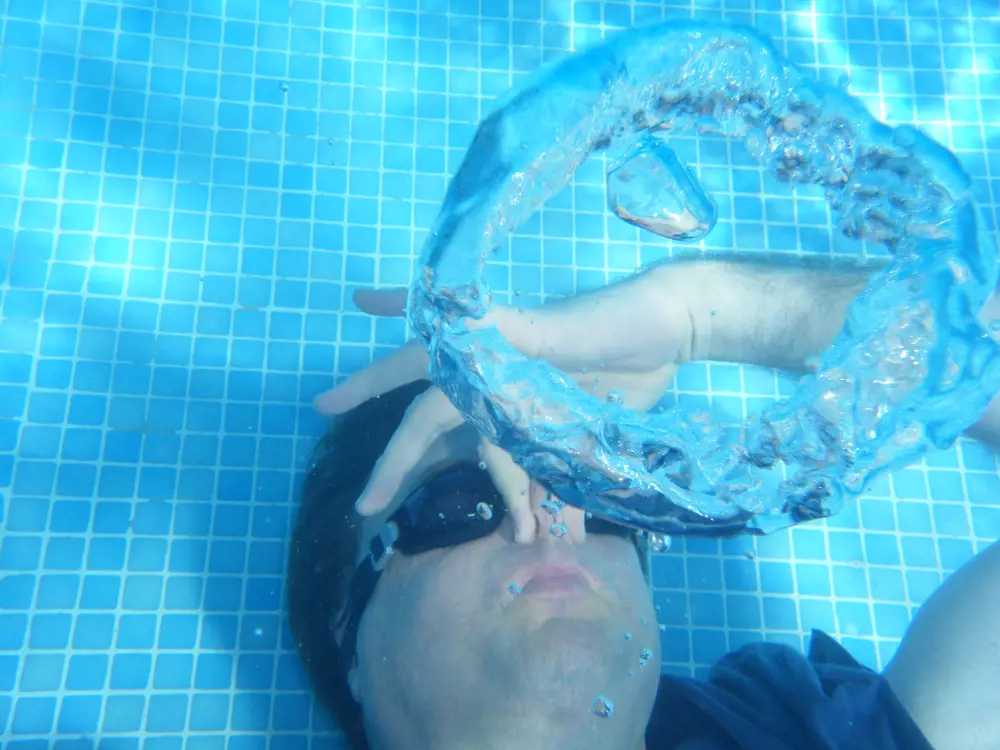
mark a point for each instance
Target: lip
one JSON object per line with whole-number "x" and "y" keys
{"x": 555, "y": 581}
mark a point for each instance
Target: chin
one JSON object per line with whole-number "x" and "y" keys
{"x": 537, "y": 610}
{"x": 572, "y": 652}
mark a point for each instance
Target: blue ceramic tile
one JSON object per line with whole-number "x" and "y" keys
{"x": 849, "y": 581}
{"x": 780, "y": 614}
{"x": 817, "y": 613}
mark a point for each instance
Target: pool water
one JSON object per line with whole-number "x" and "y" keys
{"x": 189, "y": 192}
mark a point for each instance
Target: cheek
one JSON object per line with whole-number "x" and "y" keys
{"x": 453, "y": 598}
{"x": 421, "y": 602}
{"x": 617, "y": 562}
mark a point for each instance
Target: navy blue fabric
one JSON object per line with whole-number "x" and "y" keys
{"x": 770, "y": 697}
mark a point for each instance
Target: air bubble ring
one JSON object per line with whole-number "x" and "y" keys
{"x": 910, "y": 370}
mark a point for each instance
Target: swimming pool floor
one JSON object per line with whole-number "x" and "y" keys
{"x": 189, "y": 192}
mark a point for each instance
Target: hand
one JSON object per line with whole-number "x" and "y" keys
{"x": 628, "y": 337}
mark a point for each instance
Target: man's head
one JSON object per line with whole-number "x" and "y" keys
{"x": 480, "y": 644}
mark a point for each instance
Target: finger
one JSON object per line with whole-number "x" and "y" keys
{"x": 511, "y": 482}
{"x": 405, "y": 365}
{"x": 387, "y": 303}
{"x": 576, "y": 523}
{"x": 429, "y": 416}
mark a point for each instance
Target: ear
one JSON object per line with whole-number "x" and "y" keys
{"x": 354, "y": 681}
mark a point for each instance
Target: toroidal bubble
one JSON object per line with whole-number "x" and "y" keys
{"x": 910, "y": 370}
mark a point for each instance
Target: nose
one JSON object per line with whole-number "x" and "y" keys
{"x": 555, "y": 521}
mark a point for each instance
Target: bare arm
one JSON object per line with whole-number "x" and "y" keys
{"x": 947, "y": 669}
{"x": 777, "y": 314}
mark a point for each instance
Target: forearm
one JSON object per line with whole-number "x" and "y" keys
{"x": 777, "y": 313}
{"x": 771, "y": 313}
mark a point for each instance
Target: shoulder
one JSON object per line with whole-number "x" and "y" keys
{"x": 767, "y": 696}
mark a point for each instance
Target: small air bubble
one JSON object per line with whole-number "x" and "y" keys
{"x": 615, "y": 397}
{"x": 485, "y": 511}
{"x": 603, "y": 707}
{"x": 284, "y": 86}
{"x": 552, "y": 505}
{"x": 628, "y": 636}
{"x": 659, "y": 542}
{"x": 558, "y": 530}
{"x": 482, "y": 465}
{"x": 644, "y": 657}
{"x": 514, "y": 589}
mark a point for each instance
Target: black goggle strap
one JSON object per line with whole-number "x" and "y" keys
{"x": 363, "y": 584}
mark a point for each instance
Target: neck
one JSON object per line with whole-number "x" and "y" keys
{"x": 519, "y": 735}
{"x": 523, "y": 746}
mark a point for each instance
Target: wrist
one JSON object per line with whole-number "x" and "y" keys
{"x": 766, "y": 312}
{"x": 683, "y": 287}
{"x": 716, "y": 321}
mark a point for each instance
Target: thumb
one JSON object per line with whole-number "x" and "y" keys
{"x": 384, "y": 303}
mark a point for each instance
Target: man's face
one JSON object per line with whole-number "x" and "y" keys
{"x": 492, "y": 644}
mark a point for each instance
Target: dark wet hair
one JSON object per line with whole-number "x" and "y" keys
{"x": 325, "y": 542}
